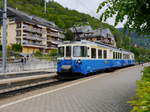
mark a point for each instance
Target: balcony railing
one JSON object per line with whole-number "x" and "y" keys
{"x": 33, "y": 38}
{"x": 33, "y": 44}
{"x": 34, "y": 30}
{"x": 53, "y": 34}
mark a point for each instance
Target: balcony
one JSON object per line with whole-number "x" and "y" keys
{"x": 51, "y": 46}
{"x": 33, "y": 30}
{"x": 33, "y": 38}
{"x": 52, "y": 39}
{"x": 37, "y": 45}
{"x": 52, "y": 34}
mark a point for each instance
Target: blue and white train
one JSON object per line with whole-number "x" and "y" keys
{"x": 84, "y": 57}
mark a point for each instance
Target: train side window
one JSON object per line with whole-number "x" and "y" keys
{"x": 105, "y": 54}
{"x": 99, "y": 53}
{"x": 93, "y": 53}
{"x": 113, "y": 55}
{"x": 120, "y": 55}
{"x": 117, "y": 55}
{"x": 68, "y": 51}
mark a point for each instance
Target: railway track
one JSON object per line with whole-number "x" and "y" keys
{"x": 14, "y": 83}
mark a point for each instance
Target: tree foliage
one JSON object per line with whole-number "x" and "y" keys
{"x": 136, "y": 11}
{"x": 69, "y": 35}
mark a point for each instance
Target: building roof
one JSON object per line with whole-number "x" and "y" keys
{"x": 22, "y": 16}
{"x": 87, "y": 31}
{"x": 81, "y": 29}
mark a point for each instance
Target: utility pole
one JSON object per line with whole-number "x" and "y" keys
{"x": 45, "y": 6}
{"x": 4, "y": 36}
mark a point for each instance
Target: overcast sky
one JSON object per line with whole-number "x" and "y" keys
{"x": 86, "y": 6}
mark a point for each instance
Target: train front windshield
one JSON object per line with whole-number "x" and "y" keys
{"x": 61, "y": 51}
{"x": 78, "y": 51}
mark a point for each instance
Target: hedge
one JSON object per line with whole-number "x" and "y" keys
{"x": 141, "y": 102}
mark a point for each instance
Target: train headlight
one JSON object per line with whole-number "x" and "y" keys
{"x": 79, "y": 61}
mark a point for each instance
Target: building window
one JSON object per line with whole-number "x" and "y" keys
{"x": 100, "y": 54}
{"x": 18, "y": 41}
{"x": 105, "y": 54}
{"x": 18, "y": 25}
{"x": 18, "y": 33}
{"x": 93, "y": 53}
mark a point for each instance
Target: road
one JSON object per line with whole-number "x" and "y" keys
{"x": 105, "y": 92}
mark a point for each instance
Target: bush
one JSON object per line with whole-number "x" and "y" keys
{"x": 0, "y": 54}
{"x": 53, "y": 52}
{"x": 17, "y": 47}
{"x": 141, "y": 103}
{"x": 38, "y": 54}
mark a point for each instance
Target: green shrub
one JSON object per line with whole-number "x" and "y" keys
{"x": 16, "y": 47}
{"x": 0, "y": 54}
{"x": 141, "y": 103}
{"x": 53, "y": 52}
{"x": 38, "y": 54}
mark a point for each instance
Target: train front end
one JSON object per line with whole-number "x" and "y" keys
{"x": 71, "y": 60}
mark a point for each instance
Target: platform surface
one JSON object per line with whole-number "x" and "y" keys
{"x": 105, "y": 92}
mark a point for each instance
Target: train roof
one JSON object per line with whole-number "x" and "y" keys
{"x": 96, "y": 44}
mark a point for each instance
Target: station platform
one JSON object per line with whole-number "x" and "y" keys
{"x": 105, "y": 92}
{"x": 23, "y": 74}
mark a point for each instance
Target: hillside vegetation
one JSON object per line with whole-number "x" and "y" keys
{"x": 139, "y": 40}
{"x": 66, "y": 18}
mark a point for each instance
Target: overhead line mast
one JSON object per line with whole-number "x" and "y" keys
{"x": 4, "y": 36}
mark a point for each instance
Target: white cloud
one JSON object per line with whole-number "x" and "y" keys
{"x": 86, "y": 6}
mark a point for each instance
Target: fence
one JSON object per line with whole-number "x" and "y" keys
{"x": 31, "y": 64}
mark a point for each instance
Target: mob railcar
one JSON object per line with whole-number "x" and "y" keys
{"x": 84, "y": 57}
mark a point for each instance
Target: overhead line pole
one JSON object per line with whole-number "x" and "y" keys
{"x": 4, "y": 36}
{"x": 45, "y": 6}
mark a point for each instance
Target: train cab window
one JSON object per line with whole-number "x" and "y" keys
{"x": 68, "y": 51}
{"x": 93, "y": 53}
{"x": 80, "y": 51}
{"x": 61, "y": 51}
{"x": 100, "y": 54}
{"x": 105, "y": 54}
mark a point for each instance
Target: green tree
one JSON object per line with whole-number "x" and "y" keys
{"x": 69, "y": 35}
{"x": 136, "y": 11}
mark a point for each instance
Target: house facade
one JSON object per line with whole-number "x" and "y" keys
{"x": 99, "y": 35}
{"x": 33, "y": 33}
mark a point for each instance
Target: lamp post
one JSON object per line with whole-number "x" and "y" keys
{"x": 4, "y": 36}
